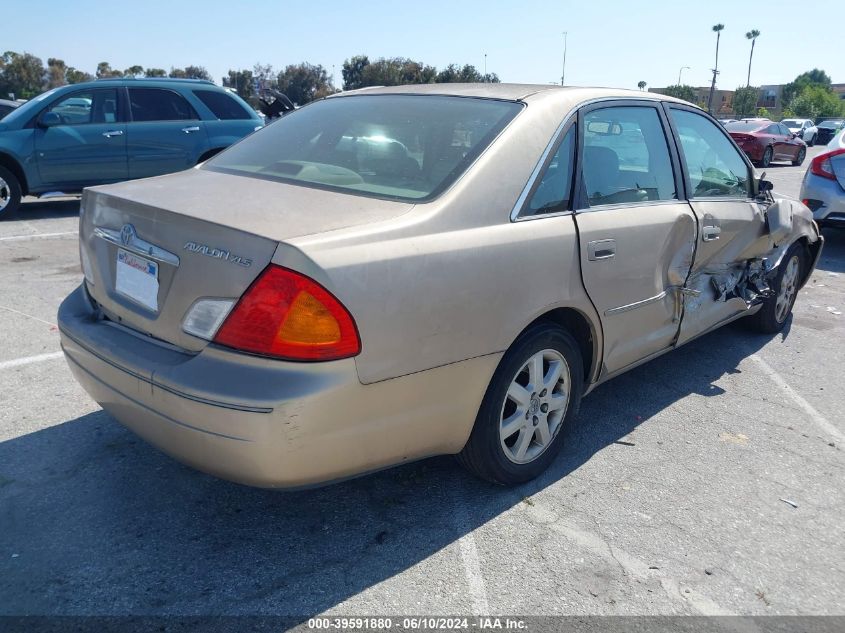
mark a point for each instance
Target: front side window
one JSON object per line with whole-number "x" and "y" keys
{"x": 554, "y": 189}
{"x": 715, "y": 167}
{"x": 626, "y": 157}
{"x": 156, "y": 104}
{"x": 91, "y": 106}
{"x": 406, "y": 147}
{"x": 223, "y": 105}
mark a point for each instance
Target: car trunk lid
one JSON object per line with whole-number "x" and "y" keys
{"x": 151, "y": 248}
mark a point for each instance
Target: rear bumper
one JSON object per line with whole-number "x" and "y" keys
{"x": 826, "y": 198}
{"x": 263, "y": 422}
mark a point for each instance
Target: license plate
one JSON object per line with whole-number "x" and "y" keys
{"x": 137, "y": 279}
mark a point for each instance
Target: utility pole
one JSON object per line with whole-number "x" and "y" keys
{"x": 485, "y": 66}
{"x": 563, "y": 70}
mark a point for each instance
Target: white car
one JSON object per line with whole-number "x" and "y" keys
{"x": 805, "y": 129}
{"x": 838, "y": 141}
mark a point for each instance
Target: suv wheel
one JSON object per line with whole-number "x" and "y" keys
{"x": 10, "y": 194}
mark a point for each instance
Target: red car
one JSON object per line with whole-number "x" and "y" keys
{"x": 766, "y": 141}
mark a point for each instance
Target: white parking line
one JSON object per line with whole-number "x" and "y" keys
{"x": 822, "y": 422}
{"x": 29, "y": 360}
{"x": 36, "y": 236}
{"x": 470, "y": 558}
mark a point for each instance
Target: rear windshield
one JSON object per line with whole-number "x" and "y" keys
{"x": 831, "y": 124}
{"x": 223, "y": 105}
{"x": 405, "y": 147}
{"x": 792, "y": 123}
{"x": 746, "y": 126}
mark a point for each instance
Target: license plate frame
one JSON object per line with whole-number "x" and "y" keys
{"x": 136, "y": 278}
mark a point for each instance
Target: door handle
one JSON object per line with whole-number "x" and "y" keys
{"x": 193, "y": 128}
{"x": 710, "y": 233}
{"x": 601, "y": 249}
{"x": 111, "y": 133}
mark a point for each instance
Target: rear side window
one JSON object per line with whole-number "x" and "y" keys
{"x": 155, "y": 104}
{"x": 715, "y": 167}
{"x": 404, "y": 147}
{"x": 553, "y": 191}
{"x": 626, "y": 157}
{"x": 222, "y": 105}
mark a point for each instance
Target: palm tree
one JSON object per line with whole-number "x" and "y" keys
{"x": 752, "y": 35}
{"x": 717, "y": 29}
{"x": 641, "y": 85}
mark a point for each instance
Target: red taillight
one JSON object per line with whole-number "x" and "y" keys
{"x": 286, "y": 315}
{"x": 821, "y": 164}
{"x": 741, "y": 137}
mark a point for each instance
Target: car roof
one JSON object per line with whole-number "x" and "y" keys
{"x": 509, "y": 92}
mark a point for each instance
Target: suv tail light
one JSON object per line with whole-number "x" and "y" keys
{"x": 821, "y": 164}
{"x": 286, "y": 315}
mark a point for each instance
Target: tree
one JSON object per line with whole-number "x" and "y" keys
{"x": 685, "y": 92}
{"x": 155, "y": 72}
{"x": 21, "y": 75}
{"x": 641, "y": 85}
{"x": 304, "y": 82}
{"x": 466, "y": 74}
{"x": 104, "y": 71}
{"x": 745, "y": 101}
{"x": 752, "y": 35}
{"x": 74, "y": 76}
{"x": 353, "y": 72}
{"x": 397, "y": 71}
{"x": 189, "y": 72}
{"x": 242, "y": 82}
{"x": 717, "y": 29}
{"x": 815, "y": 101}
{"x": 810, "y": 78}
{"x": 133, "y": 71}
{"x": 264, "y": 74}
{"x": 56, "y": 73}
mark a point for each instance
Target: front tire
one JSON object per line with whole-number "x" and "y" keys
{"x": 10, "y": 194}
{"x": 767, "y": 157}
{"x": 771, "y": 318}
{"x": 812, "y": 141}
{"x": 529, "y": 408}
{"x": 802, "y": 154}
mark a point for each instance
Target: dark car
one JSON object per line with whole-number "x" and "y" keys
{"x": 828, "y": 129}
{"x": 7, "y": 106}
{"x": 111, "y": 130}
{"x": 767, "y": 141}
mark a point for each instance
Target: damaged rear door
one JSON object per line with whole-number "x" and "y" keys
{"x": 729, "y": 269}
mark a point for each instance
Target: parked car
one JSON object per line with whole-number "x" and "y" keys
{"x": 823, "y": 188}
{"x": 420, "y": 270}
{"x": 804, "y": 128}
{"x": 726, "y": 121}
{"x": 112, "y": 130}
{"x": 764, "y": 142}
{"x": 7, "y": 106}
{"x": 828, "y": 129}
{"x": 838, "y": 141}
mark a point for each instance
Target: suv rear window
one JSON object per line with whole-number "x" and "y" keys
{"x": 404, "y": 147}
{"x": 222, "y": 105}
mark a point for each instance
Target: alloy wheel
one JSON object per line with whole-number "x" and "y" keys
{"x": 787, "y": 290}
{"x": 5, "y": 194}
{"x": 535, "y": 406}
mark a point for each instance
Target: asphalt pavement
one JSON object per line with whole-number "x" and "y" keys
{"x": 709, "y": 481}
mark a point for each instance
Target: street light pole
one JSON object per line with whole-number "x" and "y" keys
{"x": 485, "y": 66}
{"x": 563, "y": 70}
{"x": 683, "y": 68}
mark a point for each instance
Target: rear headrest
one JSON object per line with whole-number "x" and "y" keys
{"x": 601, "y": 170}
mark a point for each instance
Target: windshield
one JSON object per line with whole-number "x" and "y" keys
{"x": 406, "y": 147}
{"x": 792, "y": 123}
{"x": 746, "y": 126}
{"x": 834, "y": 124}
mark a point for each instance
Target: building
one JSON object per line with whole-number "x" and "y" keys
{"x": 722, "y": 99}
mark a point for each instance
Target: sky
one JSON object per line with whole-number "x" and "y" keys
{"x": 609, "y": 42}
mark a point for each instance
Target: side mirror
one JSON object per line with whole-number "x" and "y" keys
{"x": 765, "y": 185}
{"x": 49, "y": 119}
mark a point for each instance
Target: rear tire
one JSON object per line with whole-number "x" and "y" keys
{"x": 771, "y": 318}
{"x": 802, "y": 154}
{"x": 10, "y": 194}
{"x": 529, "y": 408}
{"x": 812, "y": 141}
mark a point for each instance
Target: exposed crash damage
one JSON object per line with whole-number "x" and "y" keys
{"x": 741, "y": 274}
